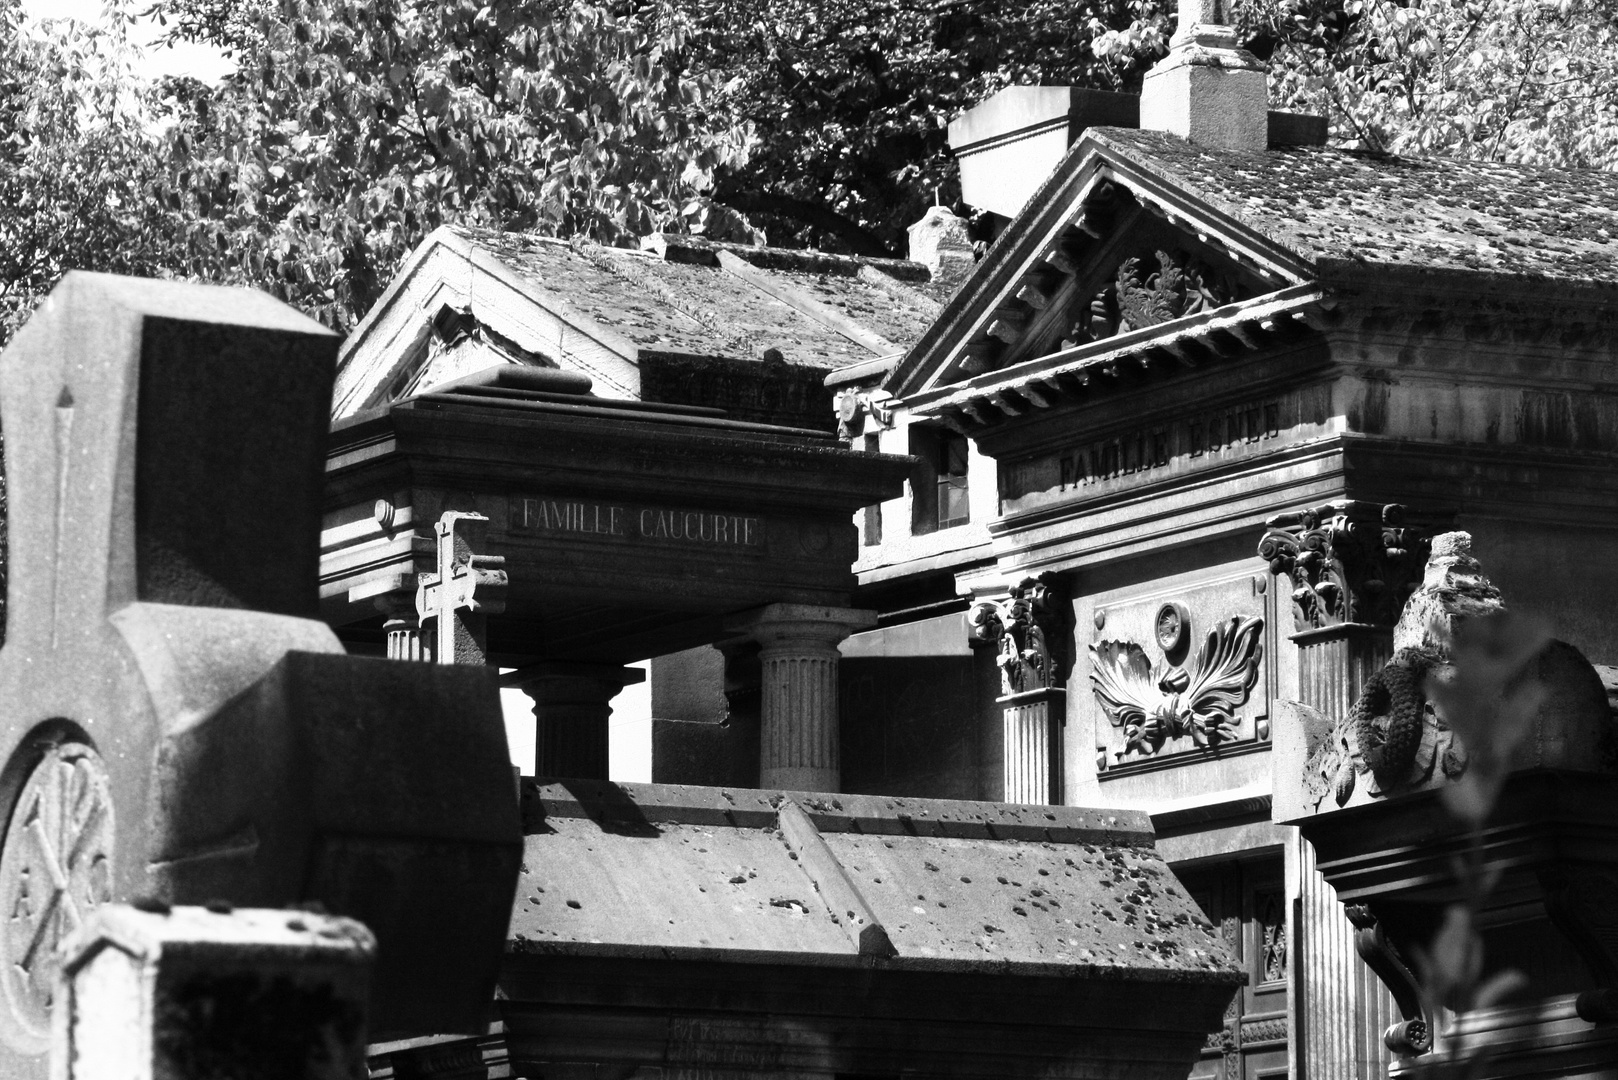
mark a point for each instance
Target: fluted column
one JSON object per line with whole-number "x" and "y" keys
{"x": 1351, "y": 566}
{"x": 401, "y": 629}
{"x": 572, "y": 705}
{"x": 799, "y": 657}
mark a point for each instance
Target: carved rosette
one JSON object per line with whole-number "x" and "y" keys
{"x": 1031, "y": 633}
{"x": 1349, "y": 561}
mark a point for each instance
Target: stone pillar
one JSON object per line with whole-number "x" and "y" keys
{"x": 1352, "y": 566}
{"x": 572, "y": 704}
{"x": 1032, "y": 633}
{"x": 401, "y": 627}
{"x": 799, "y": 660}
{"x": 161, "y": 992}
{"x": 1032, "y": 724}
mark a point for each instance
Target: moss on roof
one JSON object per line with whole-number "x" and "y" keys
{"x": 683, "y": 304}
{"x": 1420, "y": 213}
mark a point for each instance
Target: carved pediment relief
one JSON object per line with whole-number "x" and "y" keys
{"x": 1120, "y": 265}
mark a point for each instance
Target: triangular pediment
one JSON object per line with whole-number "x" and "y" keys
{"x": 1104, "y": 250}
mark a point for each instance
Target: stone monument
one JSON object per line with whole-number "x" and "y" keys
{"x": 177, "y": 724}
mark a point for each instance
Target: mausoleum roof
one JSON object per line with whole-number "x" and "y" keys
{"x": 676, "y": 296}
{"x": 1434, "y": 213}
{"x": 609, "y": 311}
{"x": 750, "y": 876}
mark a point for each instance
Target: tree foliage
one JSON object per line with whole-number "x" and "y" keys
{"x": 77, "y": 162}
{"x": 353, "y": 128}
{"x": 852, "y": 98}
{"x": 1529, "y": 81}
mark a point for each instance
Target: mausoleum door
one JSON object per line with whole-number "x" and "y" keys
{"x": 1247, "y": 902}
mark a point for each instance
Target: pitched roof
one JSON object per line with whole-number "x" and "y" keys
{"x": 611, "y": 313}
{"x": 1431, "y": 213}
{"x": 1293, "y": 216}
{"x": 680, "y": 296}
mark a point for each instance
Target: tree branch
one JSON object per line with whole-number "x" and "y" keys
{"x": 860, "y": 240}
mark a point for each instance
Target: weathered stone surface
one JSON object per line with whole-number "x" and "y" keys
{"x": 804, "y": 933}
{"x": 250, "y": 994}
{"x": 175, "y": 725}
{"x": 1396, "y": 739}
{"x": 1453, "y": 589}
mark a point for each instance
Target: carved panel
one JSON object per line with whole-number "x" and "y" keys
{"x": 1349, "y": 561}
{"x": 1270, "y": 915}
{"x": 1179, "y": 674}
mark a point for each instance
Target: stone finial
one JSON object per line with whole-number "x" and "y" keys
{"x": 1453, "y": 589}
{"x": 1208, "y": 90}
{"x": 940, "y": 241}
{"x": 1349, "y": 561}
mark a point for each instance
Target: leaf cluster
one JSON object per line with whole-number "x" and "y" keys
{"x": 851, "y": 99}
{"x": 353, "y": 128}
{"x": 1527, "y": 81}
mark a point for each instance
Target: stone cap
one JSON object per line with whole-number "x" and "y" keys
{"x": 153, "y": 930}
{"x": 949, "y": 886}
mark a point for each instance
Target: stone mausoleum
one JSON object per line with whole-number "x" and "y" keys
{"x": 1169, "y": 455}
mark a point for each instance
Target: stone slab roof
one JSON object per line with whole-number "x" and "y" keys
{"x": 707, "y": 873}
{"x": 1326, "y": 204}
{"x": 675, "y": 296}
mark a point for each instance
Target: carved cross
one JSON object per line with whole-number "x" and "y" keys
{"x": 460, "y": 593}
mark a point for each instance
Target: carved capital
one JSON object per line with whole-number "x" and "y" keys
{"x": 1349, "y": 561}
{"x": 1032, "y": 631}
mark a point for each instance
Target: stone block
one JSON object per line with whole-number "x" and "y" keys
{"x": 176, "y": 725}
{"x": 250, "y": 994}
{"x": 1213, "y": 106}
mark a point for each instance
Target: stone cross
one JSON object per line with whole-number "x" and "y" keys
{"x": 460, "y": 593}
{"x": 177, "y": 724}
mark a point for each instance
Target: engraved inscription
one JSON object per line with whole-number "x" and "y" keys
{"x": 536, "y": 515}
{"x": 1154, "y": 447}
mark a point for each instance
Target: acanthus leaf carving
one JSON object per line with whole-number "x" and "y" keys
{"x": 1181, "y": 286}
{"x": 1152, "y": 704}
{"x": 1349, "y": 561}
{"x": 1030, "y": 630}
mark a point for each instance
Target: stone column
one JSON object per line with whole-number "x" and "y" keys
{"x": 1352, "y": 566}
{"x": 1032, "y": 633}
{"x": 799, "y": 660}
{"x": 572, "y": 704}
{"x": 401, "y": 628}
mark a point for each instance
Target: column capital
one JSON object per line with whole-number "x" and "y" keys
{"x": 776, "y": 625}
{"x": 553, "y": 670}
{"x": 572, "y": 707}
{"x": 1349, "y": 561}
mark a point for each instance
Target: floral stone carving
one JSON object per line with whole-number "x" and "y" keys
{"x": 1349, "y": 561}
{"x": 1030, "y": 631}
{"x": 1153, "y": 704}
{"x": 1181, "y": 286}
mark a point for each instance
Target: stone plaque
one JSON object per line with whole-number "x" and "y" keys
{"x": 1179, "y": 674}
